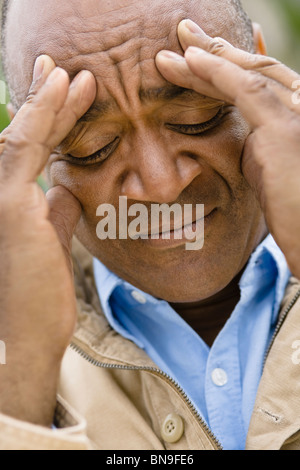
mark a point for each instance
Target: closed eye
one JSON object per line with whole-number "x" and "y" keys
{"x": 197, "y": 129}
{"x": 97, "y": 157}
{"x": 188, "y": 129}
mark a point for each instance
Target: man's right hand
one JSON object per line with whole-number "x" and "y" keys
{"x": 37, "y": 298}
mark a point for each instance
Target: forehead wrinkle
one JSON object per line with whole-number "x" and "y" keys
{"x": 117, "y": 48}
{"x": 119, "y": 28}
{"x": 104, "y": 39}
{"x": 123, "y": 38}
{"x": 61, "y": 30}
{"x": 132, "y": 53}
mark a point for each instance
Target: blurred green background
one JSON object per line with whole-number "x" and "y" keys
{"x": 4, "y": 120}
{"x": 280, "y": 20}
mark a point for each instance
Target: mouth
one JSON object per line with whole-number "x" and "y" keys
{"x": 179, "y": 235}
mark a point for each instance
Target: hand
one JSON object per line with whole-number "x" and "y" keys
{"x": 37, "y": 298}
{"x": 264, "y": 91}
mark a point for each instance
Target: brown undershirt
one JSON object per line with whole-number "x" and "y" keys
{"x": 209, "y": 316}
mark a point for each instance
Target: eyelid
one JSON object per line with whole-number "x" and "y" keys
{"x": 107, "y": 150}
{"x": 189, "y": 129}
{"x": 195, "y": 129}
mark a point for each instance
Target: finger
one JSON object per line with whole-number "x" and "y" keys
{"x": 52, "y": 115}
{"x": 175, "y": 69}
{"x": 64, "y": 214}
{"x": 251, "y": 92}
{"x": 190, "y": 34}
{"x": 25, "y": 147}
{"x": 82, "y": 94}
{"x": 43, "y": 66}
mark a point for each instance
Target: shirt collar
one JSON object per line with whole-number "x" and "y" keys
{"x": 269, "y": 262}
{"x": 267, "y": 259}
{"x": 106, "y": 283}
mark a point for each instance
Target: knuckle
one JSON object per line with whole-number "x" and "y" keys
{"x": 19, "y": 143}
{"x": 31, "y": 97}
{"x": 256, "y": 83}
{"x": 262, "y": 62}
{"x": 15, "y": 144}
{"x": 216, "y": 47}
{"x": 32, "y": 93}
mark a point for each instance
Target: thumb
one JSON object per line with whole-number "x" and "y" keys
{"x": 65, "y": 212}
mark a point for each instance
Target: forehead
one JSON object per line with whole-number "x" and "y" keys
{"x": 116, "y": 40}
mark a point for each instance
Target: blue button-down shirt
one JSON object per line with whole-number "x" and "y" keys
{"x": 221, "y": 381}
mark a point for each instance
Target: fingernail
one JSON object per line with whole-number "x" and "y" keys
{"x": 79, "y": 77}
{"x": 55, "y": 75}
{"x": 171, "y": 55}
{"x": 193, "y": 27}
{"x": 38, "y": 68}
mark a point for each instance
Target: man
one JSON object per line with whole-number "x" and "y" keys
{"x": 170, "y": 345}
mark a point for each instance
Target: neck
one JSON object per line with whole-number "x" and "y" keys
{"x": 208, "y": 317}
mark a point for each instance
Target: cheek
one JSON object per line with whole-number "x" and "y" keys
{"x": 223, "y": 149}
{"x": 90, "y": 185}
{"x": 220, "y": 150}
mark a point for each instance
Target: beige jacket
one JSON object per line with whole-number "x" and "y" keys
{"x": 113, "y": 397}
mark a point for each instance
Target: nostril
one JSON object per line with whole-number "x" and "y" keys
{"x": 190, "y": 155}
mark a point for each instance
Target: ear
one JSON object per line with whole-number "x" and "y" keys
{"x": 10, "y": 111}
{"x": 259, "y": 40}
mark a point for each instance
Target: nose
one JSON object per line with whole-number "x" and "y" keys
{"x": 158, "y": 173}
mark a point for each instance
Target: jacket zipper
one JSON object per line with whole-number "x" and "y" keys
{"x": 280, "y": 323}
{"x": 161, "y": 374}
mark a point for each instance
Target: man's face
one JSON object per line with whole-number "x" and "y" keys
{"x": 148, "y": 140}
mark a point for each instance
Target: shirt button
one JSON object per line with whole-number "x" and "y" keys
{"x": 219, "y": 377}
{"x": 172, "y": 428}
{"x": 140, "y": 298}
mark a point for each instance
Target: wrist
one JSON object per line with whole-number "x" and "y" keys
{"x": 28, "y": 388}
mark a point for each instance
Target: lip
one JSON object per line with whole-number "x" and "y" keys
{"x": 165, "y": 240}
{"x": 176, "y": 226}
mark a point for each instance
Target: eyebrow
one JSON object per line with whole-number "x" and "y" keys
{"x": 168, "y": 93}
{"x": 98, "y": 109}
